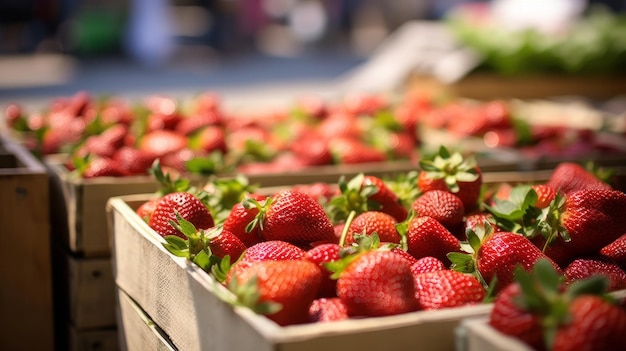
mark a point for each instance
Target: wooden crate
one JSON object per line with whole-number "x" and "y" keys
{"x": 78, "y": 207}
{"x": 475, "y": 334}
{"x": 85, "y": 291}
{"x": 26, "y": 278}
{"x": 137, "y": 331}
{"x": 181, "y": 300}
{"x": 92, "y": 340}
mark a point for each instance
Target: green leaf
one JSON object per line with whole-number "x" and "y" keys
{"x": 176, "y": 245}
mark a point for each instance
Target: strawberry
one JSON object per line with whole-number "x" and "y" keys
{"x": 238, "y": 220}
{"x": 592, "y": 324}
{"x": 616, "y": 251}
{"x": 427, "y": 264}
{"x": 209, "y": 139}
{"x": 94, "y": 167}
{"x": 339, "y": 125}
{"x": 273, "y": 250}
{"x": 295, "y": 217}
{"x": 162, "y": 142}
{"x": 541, "y": 311}
{"x": 385, "y": 197}
{"x": 373, "y": 222}
{"x": 453, "y": 173}
{"x": 146, "y": 209}
{"x": 282, "y": 290}
{"x": 327, "y": 310}
{"x": 582, "y": 223}
{"x": 512, "y": 316}
{"x": 107, "y": 143}
{"x": 191, "y": 124}
{"x": 443, "y": 206}
{"x": 425, "y": 236}
{"x": 584, "y": 268}
{"x": 353, "y": 151}
{"x": 371, "y": 275}
{"x": 569, "y": 176}
{"x": 222, "y": 243}
{"x": 133, "y": 161}
{"x": 494, "y": 256}
{"x": 320, "y": 255}
{"x": 447, "y": 288}
{"x": 322, "y": 192}
{"x": 187, "y": 205}
{"x": 477, "y": 220}
{"x": 545, "y": 195}
{"x": 313, "y": 150}
{"x": 365, "y": 193}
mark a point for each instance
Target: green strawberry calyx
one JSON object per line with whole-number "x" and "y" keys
{"x": 465, "y": 261}
{"x": 196, "y": 247}
{"x": 544, "y": 294}
{"x": 518, "y": 214}
{"x": 167, "y": 183}
{"x": 354, "y": 197}
{"x": 452, "y": 168}
{"x": 348, "y": 254}
{"x": 247, "y": 295}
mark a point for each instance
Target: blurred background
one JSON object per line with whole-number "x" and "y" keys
{"x": 60, "y": 46}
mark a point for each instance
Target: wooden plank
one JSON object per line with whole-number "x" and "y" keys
{"x": 93, "y": 340}
{"x": 136, "y": 330}
{"x": 26, "y": 292}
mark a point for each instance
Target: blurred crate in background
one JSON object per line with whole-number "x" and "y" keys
{"x": 26, "y": 299}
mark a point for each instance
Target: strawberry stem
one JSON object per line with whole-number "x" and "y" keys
{"x": 346, "y": 227}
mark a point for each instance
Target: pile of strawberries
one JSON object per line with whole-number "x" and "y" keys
{"x": 366, "y": 247}
{"x": 110, "y": 136}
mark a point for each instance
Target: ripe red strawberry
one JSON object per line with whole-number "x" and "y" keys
{"x": 339, "y": 125}
{"x": 545, "y": 195}
{"x": 106, "y": 143}
{"x": 273, "y": 250}
{"x": 320, "y": 255}
{"x": 616, "y": 251}
{"x": 495, "y": 255}
{"x": 209, "y": 139}
{"x": 100, "y": 167}
{"x": 583, "y": 223}
{"x": 353, "y": 151}
{"x": 222, "y": 243}
{"x": 569, "y": 176}
{"x": 162, "y": 142}
{"x": 195, "y": 122}
{"x": 427, "y": 264}
{"x": 313, "y": 150}
{"x": 453, "y": 173}
{"x": 477, "y": 220}
{"x": 290, "y": 284}
{"x": 146, "y": 209}
{"x": 187, "y": 205}
{"x": 372, "y": 275}
{"x": 592, "y": 324}
{"x": 511, "y": 317}
{"x": 447, "y": 288}
{"x": 238, "y": 220}
{"x": 443, "y": 206}
{"x": 385, "y": 197}
{"x": 370, "y": 222}
{"x": 133, "y": 161}
{"x": 427, "y": 237}
{"x": 541, "y": 311}
{"x": 327, "y": 310}
{"x": 296, "y": 218}
{"x": 585, "y": 268}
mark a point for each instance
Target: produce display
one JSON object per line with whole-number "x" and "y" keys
{"x": 109, "y": 136}
{"x": 551, "y": 311}
{"x": 432, "y": 239}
